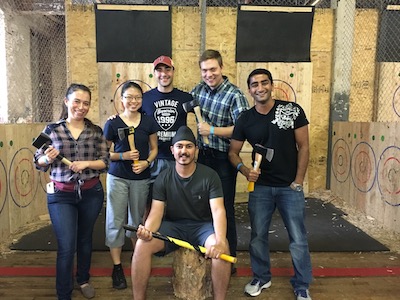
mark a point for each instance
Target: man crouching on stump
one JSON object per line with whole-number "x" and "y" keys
{"x": 187, "y": 204}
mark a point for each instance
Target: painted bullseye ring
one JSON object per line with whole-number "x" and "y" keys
{"x": 341, "y": 160}
{"x": 24, "y": 177}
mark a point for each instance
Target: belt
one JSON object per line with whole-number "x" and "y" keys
{"x": 73, "y": 186}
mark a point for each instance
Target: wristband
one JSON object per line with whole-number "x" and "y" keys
{"x": 238, "y": 166}
{"x": 148, "y": 162}
{"x": 120, "y": 156}
{"x": 212, "y": 130}
{"x": 46, "y": 160}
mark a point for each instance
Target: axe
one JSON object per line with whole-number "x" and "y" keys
{"x": 194, "y": 106}
{"x": 128, "y": 132}
{"x": 183, "y": 244}
{"x": 43, "y": 141}
{"x": 261, "y": 152}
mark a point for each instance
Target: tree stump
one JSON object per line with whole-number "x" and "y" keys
{"x": 192, "y": 275}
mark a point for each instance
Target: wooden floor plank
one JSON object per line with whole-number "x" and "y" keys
{"x": 160, "y": 288}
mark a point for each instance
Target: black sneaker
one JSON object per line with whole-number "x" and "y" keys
{"x": 118, "y": 278}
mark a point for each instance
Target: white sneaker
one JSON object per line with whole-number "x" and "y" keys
{"x": 254, "y": 287}
{"x": 302, "y": 295}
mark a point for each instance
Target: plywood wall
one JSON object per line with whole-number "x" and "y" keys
{"x": 363, "y": 65}
{"x": 365, "y": 169}
{"x": 81, "y": 51}
{"x": 321, "y": 57}
{"x": 4, "y": 202}
{"x": 294, "y": 81}
{"x": 389, "y": 92}
{"x": 307, "y": 83}
{"x": 22, "y": 187}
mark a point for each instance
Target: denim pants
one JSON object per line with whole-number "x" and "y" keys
{"x": 219, "y": 161}
{"x": 291, "y": 206}
{"x": 73, "y": 220}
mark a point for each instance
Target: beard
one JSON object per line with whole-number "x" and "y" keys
{"x": 186, "y": 159}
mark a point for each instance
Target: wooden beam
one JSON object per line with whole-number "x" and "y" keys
{"x": 132, "y": 7}
{"x": 276, "y": 8}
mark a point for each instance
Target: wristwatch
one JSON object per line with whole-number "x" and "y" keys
{"x": 296, "y": 186}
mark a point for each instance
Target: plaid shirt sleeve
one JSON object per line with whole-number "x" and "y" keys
{"x": 91, "y": 145}
{"x": 221, "y": 108}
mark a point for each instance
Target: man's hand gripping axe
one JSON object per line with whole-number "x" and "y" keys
{"x": 194, "y": 106}
{"x": 261, "y": 152}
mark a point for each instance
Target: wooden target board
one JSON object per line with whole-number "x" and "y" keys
{"x": 341, "y": 160}
{"x": 396, "y": 101}
{"x": 374, "y": 168}
{"x": 24, "y": 180}
{"x": 20, "y": 180}
{"x": 292, "y": 81}
{"x": 363, "y": 166}
{"x": 113, "y": 76}
{"x": 389, "y": 175}
{"x": 3, "y": 186}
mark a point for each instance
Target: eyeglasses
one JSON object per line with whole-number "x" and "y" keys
{"x": 131, "y": 98}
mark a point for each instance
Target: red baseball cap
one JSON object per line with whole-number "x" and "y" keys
{"x": 165, "y": 60}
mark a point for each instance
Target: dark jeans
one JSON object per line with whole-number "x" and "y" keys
{"x": 73, "y": 220}
{"x": 291, "y": 206}
{"x": 219, "y": 161}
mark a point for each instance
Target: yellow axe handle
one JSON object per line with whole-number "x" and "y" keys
{"x": 183, "y": 244}
{"x": 256, "y": 167}
{"x": 203, "y": 250}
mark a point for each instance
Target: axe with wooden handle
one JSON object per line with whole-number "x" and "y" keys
{"x": 194, "y": 106}
{"x": 128, "y": 133}
{"x": 261, "y": 152}
{"x": 184, "y": 244}
{"x": 43, "y": 141}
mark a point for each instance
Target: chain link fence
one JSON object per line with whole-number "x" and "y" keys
{"x": 33, "y": 49}
{"x": 35, "y": 64}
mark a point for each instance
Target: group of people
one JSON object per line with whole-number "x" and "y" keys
{"x": 161, "y": 178}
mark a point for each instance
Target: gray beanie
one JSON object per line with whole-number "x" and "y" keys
{"x": 184, "y": 133}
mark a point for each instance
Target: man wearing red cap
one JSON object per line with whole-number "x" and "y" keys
{"x": 164, "y": 103}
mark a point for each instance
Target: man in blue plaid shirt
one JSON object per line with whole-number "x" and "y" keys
{"x": 221, "y": 102}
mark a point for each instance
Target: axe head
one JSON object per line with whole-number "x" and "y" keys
{"x": 188, "y": 106}
{"x": 41, "y": 141}
{"x": 268, "y": 153}
{"x": 124, "y": 132}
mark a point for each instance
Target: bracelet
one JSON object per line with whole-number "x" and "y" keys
{"x": 120, "y": 156}
{"x": 148, "y": 162}
{"x": 212, "y": 130}
{"x": 238, "y": 166}
{"x": 46, "y": 160}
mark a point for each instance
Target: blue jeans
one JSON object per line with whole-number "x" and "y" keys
{"x": 73, "y": 220}
{"x": 291, "y": 206}
{"x": 219, "y": 161}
